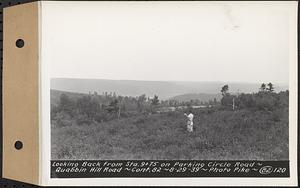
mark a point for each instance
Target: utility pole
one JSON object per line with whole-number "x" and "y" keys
{"x": 233, "y": 105}
{"x": 119, "y": 112}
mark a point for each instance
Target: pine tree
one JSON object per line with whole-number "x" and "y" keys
{"x": 263, "y": 87}
{"x": 155, "y": 100}
{"x": 270, "y": 87}
{"x": 224, "y": 90}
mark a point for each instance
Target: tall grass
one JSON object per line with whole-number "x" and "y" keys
{"x": 219, "y": 134}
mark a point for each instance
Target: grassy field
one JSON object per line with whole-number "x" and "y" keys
{"x": 219, "y": 135}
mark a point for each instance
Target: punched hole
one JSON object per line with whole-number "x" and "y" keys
{"x": 18, "y": 145}
{"x": 20, "y": 43}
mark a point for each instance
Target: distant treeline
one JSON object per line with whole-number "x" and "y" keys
{"x": 93, "y": 108}
{"x": 264, "y": 99}
{"x": 107, "y": 106}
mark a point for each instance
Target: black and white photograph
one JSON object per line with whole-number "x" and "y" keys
{"x": 169, "y": 120}
{"x": 202, "y": 86}
{"x": 212, "y": 86}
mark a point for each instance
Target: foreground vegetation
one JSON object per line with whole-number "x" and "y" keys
{"x": 256, "y": 129}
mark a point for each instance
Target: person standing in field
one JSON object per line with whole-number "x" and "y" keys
{"x": 190, "y": 122}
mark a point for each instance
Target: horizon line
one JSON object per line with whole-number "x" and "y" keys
{"x": 248, "y": 82}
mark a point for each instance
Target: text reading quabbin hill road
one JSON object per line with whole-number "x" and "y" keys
{"x": 139, "y": 168}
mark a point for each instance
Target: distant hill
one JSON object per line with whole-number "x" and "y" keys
{"x": 55, "y": 95}
{"x": 197, "y": 96}
{"x": 164, "y": 89}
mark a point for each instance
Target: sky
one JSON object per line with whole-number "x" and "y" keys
{"x": 168, "y": 41}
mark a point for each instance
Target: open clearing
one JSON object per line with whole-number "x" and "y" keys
{"x": 218, "y": 135}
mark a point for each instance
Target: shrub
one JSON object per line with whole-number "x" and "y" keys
{"x": 63, "y": 119}
{"x": 54, "y": 111}
{"x": 66, "y": 105}
{"x": 245, "y": 101}
{"x": 64, "y": 152}
{"x": 265, "y": 101}
{"x": 83, "y": 119}
{"x": 101, "y": 116}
